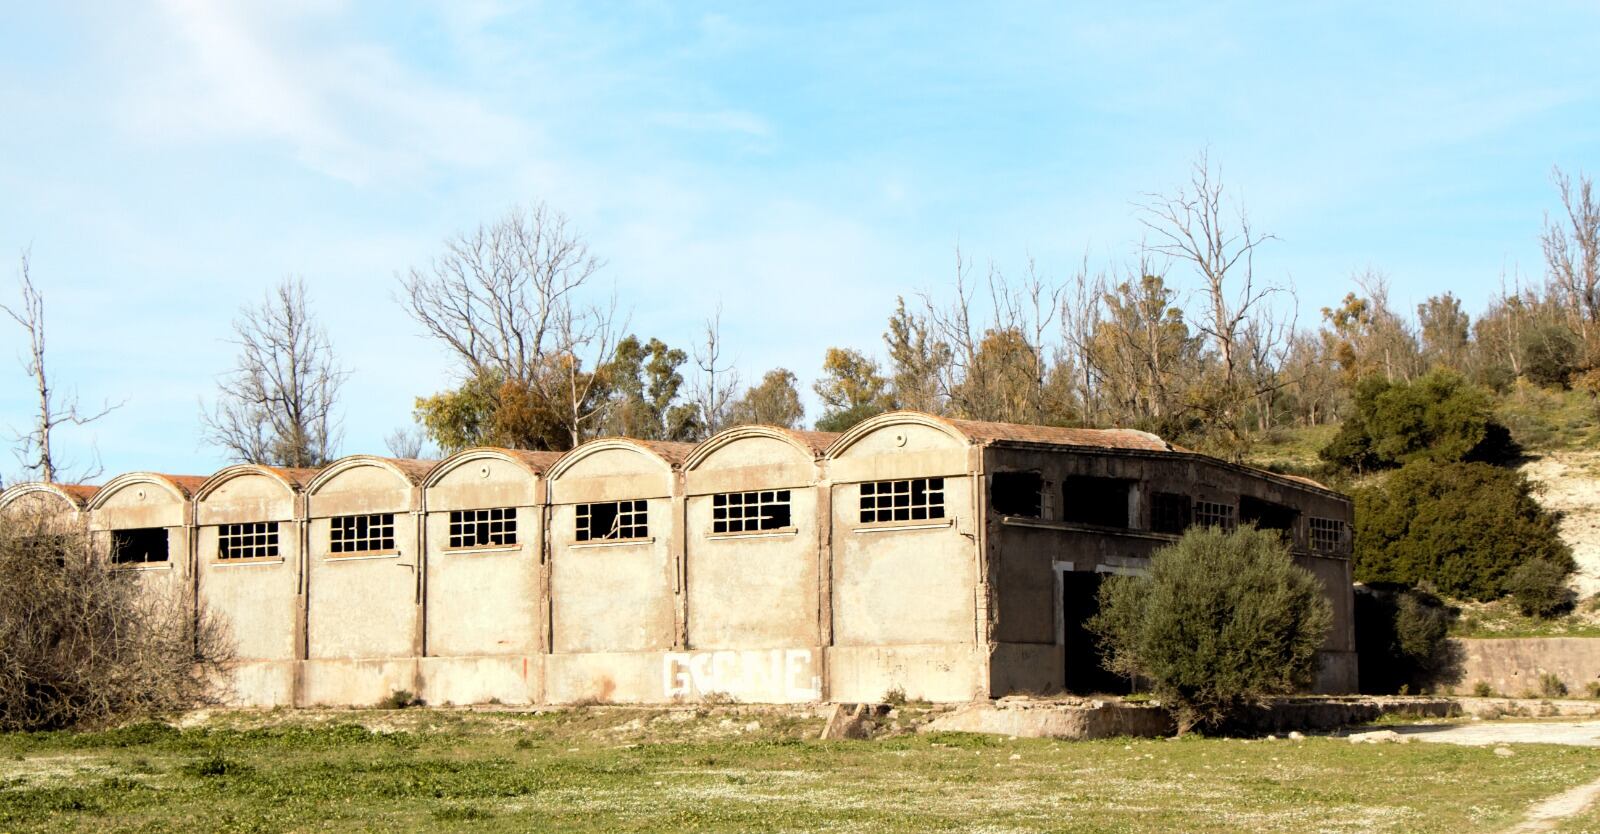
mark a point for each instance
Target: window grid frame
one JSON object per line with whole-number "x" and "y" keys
{"x": 1317, "y": 535}
{"x": 749, "y": 513}
{"x": 482, "y": 528}
{"x": 361, "y": 534}
{"x": 630, "y": 515}
{"x": 248, "y": 541}
{"x": 902, "y": 501}
{"x": 1214, "y": 514}
{"x": 1171, "y": 513}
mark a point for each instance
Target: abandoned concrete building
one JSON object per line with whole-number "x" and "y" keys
{"x": 949, "y": 559}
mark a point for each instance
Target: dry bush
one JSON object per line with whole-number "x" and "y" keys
{"x": 82, "y": 645}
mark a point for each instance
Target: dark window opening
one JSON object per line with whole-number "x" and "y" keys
{"x": 1267, "y": 515}
{"x": 746, "y": 512}
{"x": 917, "y": 499}
{"x": 1209, "y": 514}
{"x": 1017, "y": 494}
{"x": 139, "y": 547}
{"x": 362, "y": 533}
{"x": 252, "y": 540}
{"x": 1099, "y": 501}
{"x": 613, "y": 521}
{"x": 493, "y": 527}
{"x": 1329, "y": 535}
{"x": 1170, "y": 512}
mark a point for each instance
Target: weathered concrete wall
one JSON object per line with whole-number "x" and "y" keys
{"x": 361, "y": 605}
{"x": 484, "y": 600}
{"x": 259, "y": 599}
{"x": 1515, "y": 666}
{"x": 135, "y": 502}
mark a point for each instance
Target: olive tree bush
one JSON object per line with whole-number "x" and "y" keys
{"x": 81, "y": 645}
{"x": 1221, "y": 620}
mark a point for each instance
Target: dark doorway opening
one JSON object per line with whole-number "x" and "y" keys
{"x": 1084, "y": 673}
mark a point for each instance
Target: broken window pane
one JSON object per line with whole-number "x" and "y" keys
{"x": 1102, "y": 502}
{"x": 743, "y": 512}
{"x": 1209, "y": 514}
{"x": 139, "y": 546}
{"x": 492, "y": 527}
{"x": 613, "y": 521}
{"x": 1329, "y": 535}
{"x": 362, "y": 533}
{"x": 252, "y": 540}
{"x": 1169, "y": 512}
{"x": 1017, "y": 494}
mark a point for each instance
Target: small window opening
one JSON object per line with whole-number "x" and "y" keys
{"x": 1099, "y": 501}
{"x": 1267, "y": 515}
{"x": 1208, "y": 514}
{"x": 362, "y": 533}
{"x": 917, "y": 499}
{"x": 614, "y": 521}
{"x": 1169, "y": 512}
{"x": 139, "y": 547}
{"x": 492, "y": 527}
{"x": 1017, "y": 494}
{"x": 253, "y": 540}
{"x": 744, "y": 512}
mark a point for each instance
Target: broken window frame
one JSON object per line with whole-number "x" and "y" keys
{"x": 1171, "y": 513}
{"x": 1040, "y": 489}
{"x": 629, "y": 521}
{"x": 760, "y": 511}
{"x": 248, "y": 541}
{"x": 367, "y": 534}
{"x": 482, "y": 528}
{"x": 902, "y": 501}
{"x": 125, "y": 553}
{"x": 1070, "y": 507}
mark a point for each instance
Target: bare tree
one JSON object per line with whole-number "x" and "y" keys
{"x": 34, "y": 447}
{"x": 406, "y": 442}
{"x": 1572, "y": 254}
{"x": 277, "y": 404}
{"x": 506, "y": 299}
{"x": 716, "y": 383}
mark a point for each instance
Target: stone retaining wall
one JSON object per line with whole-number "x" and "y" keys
{"x": 1516, "y": 666}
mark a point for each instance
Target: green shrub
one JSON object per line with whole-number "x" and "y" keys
{"x": 1439, "y": 417}
{"x": 1482, "y": 689}
{"x": 399, "y": 699}
{"x": 1464, "y": 527}
{"x": 1402, "y": 641}
{"x": 1539, "y": 587}
{"x": 1222, "y": 619}
{"x": 1549, "y": 354}
{"x": 1551, "y": 686}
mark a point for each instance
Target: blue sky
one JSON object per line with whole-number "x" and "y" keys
{"x": 798, "y": 164}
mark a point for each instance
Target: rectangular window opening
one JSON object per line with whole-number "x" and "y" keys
{"x": 1170, "y": 512}
{"x": 492, "y": 527}
{"x": 1019, "y": 494}
{"x": 1329, "y": 535}
{"x": 251, "y": 540}
{"x": 613, "y": 521}
{"x": 748, "y": 512}
{"x": 1103, "y": 502}
{"x": 1267, "y": 515}
{"x": 1209, "y": 514}
{"x": 915, "y": 499}
{"x": 362, "y": 533}
{"x": 139, "y": 546}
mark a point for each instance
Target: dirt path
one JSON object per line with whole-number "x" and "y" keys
{"x": 1487, "y": 733}
{"x": 1571, "y": 486}
{"x": 1548, "y": 814}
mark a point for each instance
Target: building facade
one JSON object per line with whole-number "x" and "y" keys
{"x": 947, "y": 559}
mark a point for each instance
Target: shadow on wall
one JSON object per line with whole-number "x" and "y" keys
{"x": 1402, "y": 641}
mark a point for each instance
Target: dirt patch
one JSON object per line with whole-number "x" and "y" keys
{"x": 1571, "y": 482}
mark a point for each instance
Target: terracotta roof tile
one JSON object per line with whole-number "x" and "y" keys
{"x": 414, "y": 469}
{"x": 187, "y": 484}
{"x": 817, "y": 441}
{"x": 672, "y": 452}
{"x": 984, "y": 432}
{"x": 80, "y": 493}
{"x": 537, "y": 461}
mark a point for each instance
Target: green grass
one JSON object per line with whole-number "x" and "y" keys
{"x": 1501, "y": 618}
{"x": 1291, "y": 450}
{"x": 636, "y": 770}
{"x": 1544, "y": 419}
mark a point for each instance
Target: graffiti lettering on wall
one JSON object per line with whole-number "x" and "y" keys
{"x": 776, "y": 674}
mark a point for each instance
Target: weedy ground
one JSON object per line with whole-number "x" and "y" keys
{"x": 736, "y": 769}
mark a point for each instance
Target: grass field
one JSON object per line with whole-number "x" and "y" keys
{"x": 739, "y": 769}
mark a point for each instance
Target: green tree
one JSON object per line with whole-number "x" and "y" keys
{"x": 644, "y": 384}
{"x": 487, "y": 410}
{"x": 773, "y": 402}
{"x": 1446, "y": 332}
{"x": 1463, "y": 527}
{"x": 1222, "y": 620}
{"x": 1440, "y": 417}
{"x": 852, "y": 389}
{"x": 917, "y": 361}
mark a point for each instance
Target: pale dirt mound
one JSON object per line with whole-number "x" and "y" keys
{"x": 1571, "y": 481}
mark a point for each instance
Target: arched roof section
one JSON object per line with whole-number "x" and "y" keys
{"x": 536, "y": 464}
{"x": 180, "y": 488}
{"x": 75, "y": 496}
{"x": 411, "y": 472}
{"x": 870, "y": 425}
{"x": 669, "y": 455}
{"x": 293, "y": 480}
{"x": 810, "y": 444}
{"x": 982, "y": 433}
